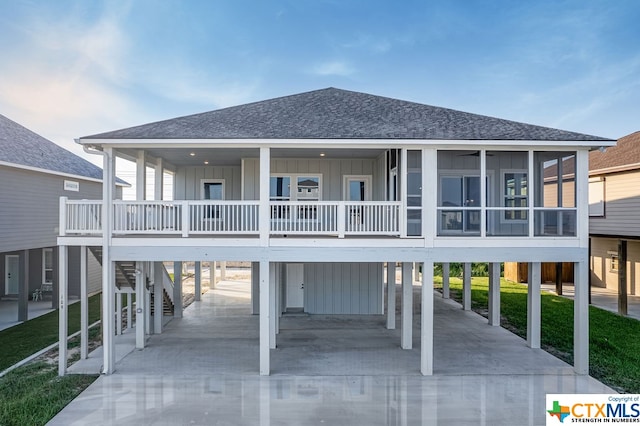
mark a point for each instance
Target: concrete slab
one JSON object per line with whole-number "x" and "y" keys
{"x": 327, "y": 369}
{"x": 9, "y": 311}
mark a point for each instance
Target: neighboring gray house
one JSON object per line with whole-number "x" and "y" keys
{"x": 34, "y": 174}
{"x": 318, "y": 190}
{"x": 614, "y": 217}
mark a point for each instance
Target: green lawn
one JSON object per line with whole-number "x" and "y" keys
{"x": 22, "y": 340}
{"x": 614, "y": 349}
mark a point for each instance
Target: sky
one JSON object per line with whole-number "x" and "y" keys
{"x": 73, "y": 68}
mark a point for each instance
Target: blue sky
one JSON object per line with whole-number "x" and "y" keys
{"x": 73, "y": 68}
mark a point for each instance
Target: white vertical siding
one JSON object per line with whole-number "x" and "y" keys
{"x": 187, "y": 181}
{"x": 343, "y": 288}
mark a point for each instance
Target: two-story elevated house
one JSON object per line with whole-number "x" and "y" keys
{"x": 614, "y": 222}
{"x": 322, "y": 188}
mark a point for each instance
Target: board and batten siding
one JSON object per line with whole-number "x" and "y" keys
{"x": 343, "y": 288}
{"x": 601, "y": 273}
{"x": 30, "y": 207}
{"x": 187, "y": 182}
{"x": 331, "y": 170}
{"x": 621, "y": 206}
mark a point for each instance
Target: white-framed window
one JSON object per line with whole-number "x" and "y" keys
{"x": 514, "y": 194}
{"x": 47, "y": 266}
{"x": 212, "y": 189}
{"x": 613, "y": 262}
{"x": 295, "y": 187}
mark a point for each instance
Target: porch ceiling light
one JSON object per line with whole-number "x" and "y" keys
{"x": 206, "y": 162}
{"x": 322, "y": 154}
{"x": 193, "y": 154}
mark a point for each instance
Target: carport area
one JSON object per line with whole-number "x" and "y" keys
{"x": 203, "y": 369}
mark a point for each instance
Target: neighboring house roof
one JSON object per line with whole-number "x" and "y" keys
{"x": 21, "y": 147}
{"x": 624, "y": 156}
{"x": 340, "y": 114}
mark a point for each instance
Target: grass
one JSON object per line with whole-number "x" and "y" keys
{"x": 614, "y": 348}
{"x": 34, "y": 394}
{"x": 22, "y": 340}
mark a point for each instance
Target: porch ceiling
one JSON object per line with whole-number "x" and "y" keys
{"x": 181, "y": 157}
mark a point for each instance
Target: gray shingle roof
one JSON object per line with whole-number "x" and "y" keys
{"x": 340, "y": 114}
{"x": 21, "y": 146}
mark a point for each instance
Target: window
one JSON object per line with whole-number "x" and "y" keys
{"x": 515, "y": 194}
{"x": 308, "y": 188}
{"x": 280, "y": 188}
{"x": 613, "y": 265}
{"x": 295, "y": 187}
{"x": 212, "y": 189}
{"x": 47, "y": 266}
{"x": 459, "y": 191}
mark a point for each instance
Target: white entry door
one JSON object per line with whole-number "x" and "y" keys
{"x": 12, "y": 274}
{"x": 295, "y": 285}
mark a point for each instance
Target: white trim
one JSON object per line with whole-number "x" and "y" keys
{"x": 346, "y": 143}
{"x": 503, "y": 197}
{"x": 56, "y": 173}
{"x": 203, "y": 181}
{"x": 367, "y": 179}
{"x": 44, "y": 263}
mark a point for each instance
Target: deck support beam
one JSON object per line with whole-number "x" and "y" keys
{"x": 265, "y": 368}
{"x": 158, "y": 299}
{"x": 198, "y": 281}
{"x": 141, "y": 314}
{"x": 84, "y": 304}
{"x": 494, "y": 294}
{"x": 272, "y": 306}
{"x": 391, "y": 295}
{"x": 581, "y": 318}
{"x": 426, "y": 320}
{"x": 466, "y": 286}
{"x": 406, "y": 339}
{"x": 177, "y": 289}
{"x": 445, "y": 280}
{"x": 63, "y": 313}
{"x": 533, "y": 305}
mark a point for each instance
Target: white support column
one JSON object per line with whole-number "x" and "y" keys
{"x": 406, "y": 340}
{"x": 84, "y": 305}
{"x": 494, "y": 294}
{"x": 223, "y": 270}
{"x": 63, "y": 314}
{"x": 402, "y": 190}
{"x": 158, "y": 299}
{"x": 140, "y": 305}
{"x": 272, "y": 306}
{"x": 212, "y": 274}
{"x": 148, "y": 268}
{"x": 466, "y": 286}
{"x": 129, "y": 309}
{"x": 264, "y": 217}
{"x": 265, "y": 303}
{"x": 108, "y": 266}
{"x": 533, "y": 306}
{"x": 177, "y": 289}
{"x": 255, "y": 288}
{"x": 391, "y": 295}
{"x": 158, "y": 187}
{"x": 118, "y": 313}
{"x": 198, "y": 282}
{"x": 426, "y": 320}
{"x": 141, "y": 176}
{"x": 483, "y": 193}
{"x": 429, "y": 196}
{"x": 445, "y": 280}
{"x": 581, "y": 318}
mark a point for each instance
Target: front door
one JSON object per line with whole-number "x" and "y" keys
{"x": 295, "y": 286}
{"x": 12, "y": 274}
{"x": 357, "y": 188}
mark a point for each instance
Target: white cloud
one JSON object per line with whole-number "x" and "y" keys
{"x": 338, "y": 68}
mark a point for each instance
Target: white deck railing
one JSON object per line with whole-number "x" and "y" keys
{"x": 186, "y": 218}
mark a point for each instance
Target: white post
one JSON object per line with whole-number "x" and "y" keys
{"x": 177, "y": 289}
{"x": 158, "y": 297}
{"x": 402, "y": 182}
{"x": 84, "y": 305}
{"x": 63, "y": 286}
{"x": 445, "y": 280}
{"x": 159, "y": 181}
{"x": 533, "y": 305}
{"x": 212, "y": 274}
{"x": 466, "y": 286}
{"x": 62, "y": 225}
{"x": 140, "y": 305}
{"x": 426, "y": 320}
{"x": 198, "y": 282}
{"x": 141, "y": 176}
{"x": 255, "y": 288}
{"x": 148, "y": 270}
{"x": 129, "y": 308}
{"x": 406, "y": 339}
{"x": 118, "y": 313}
{"x": 108, "y": 266}
{"x": 264, "y": 217}
{"x": 264, "y": 319}
{"x": 272, "y": 305}
{"x": 223, "y": 270}
{"x": 391, "y": 295}
{"x": 494, "y": 294}
{"x": 581, "y": 318}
